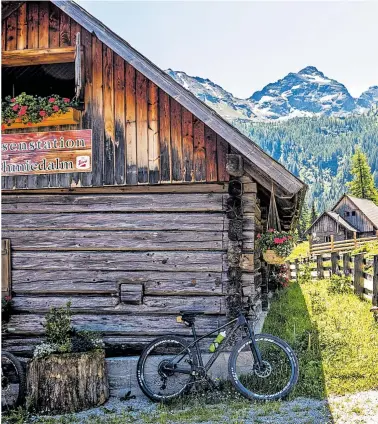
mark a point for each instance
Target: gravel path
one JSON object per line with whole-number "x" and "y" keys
{"x": 359, "y": 408}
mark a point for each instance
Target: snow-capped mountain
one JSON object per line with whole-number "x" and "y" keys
{"x": 306, "y": 93}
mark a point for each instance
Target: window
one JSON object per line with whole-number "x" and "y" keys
{"x": 327, "y": 239}
{"x": 353, "y": 213}
{"x": 346, "y": 213}
{"x": 41, "y": 80}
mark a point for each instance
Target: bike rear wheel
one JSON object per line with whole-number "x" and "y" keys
{"x": 275, "y": 379}
{"x": 156, "y": 368}
{"x": 13, "y": 384}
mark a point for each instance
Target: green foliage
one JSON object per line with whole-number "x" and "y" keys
{"x": 370, "y": 249}
{"x": 304, "y": 275}
{"x": 334, "y": 336}
{"x": 282, "y": 242}
{"x": 362, "y": 185}
{"x": 314, "y": 214}
{"x": 340, "y": 284}
{"x": 62, "y": 337}
{"x": 304, "y": 221}
{"x": 300, "y": 251}
{"x": 58, "y": 327}
{"x": 32, "y": 109}
{"x": 318, "y": 150}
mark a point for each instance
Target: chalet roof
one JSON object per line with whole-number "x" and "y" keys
{"x": 367, "y": 207}
{"x": 337, "y": 218}
{"x": 341, "y": 221}
{"x": 264, "y": 169}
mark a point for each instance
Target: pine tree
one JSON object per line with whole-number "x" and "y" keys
{"x": 304, "y": 220}
{"x": 314, "y": 213}
{"x": 362, "y": 185}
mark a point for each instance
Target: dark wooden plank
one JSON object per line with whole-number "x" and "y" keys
{"x": 187, "y": 145}
{"x": 131, "y": 137}
{"x": 54, "y": 28}
{"x": 65, "y": 30}
{"x": 97, "y": 113}
{"x": 3, "y": 34}
{"x": 115, "y": 324}
{"x": 37, "y": 281}
{"x": 11, "y": 23}
{"x": 75, "y": 29}
{"x": 43, "y": 35}
{"x": 113, "y": 221}
{"x": 165, "y": 137}
{"x": 120, "y": 261}
{"x": 176, "y": 141}
{"x": 22, "y": 28}
{"x": 176, "y": 202}
{"x": 86, "y": 41}
{"x": 115, "y": 240}
{"x": 142, "y": 127}
{"x": 6, "y": 268}
{"x": 153, "y": 133}
{"x": 211, "y": 154}
{"x": 222, "y": 151}
{"x": 358, "y": 281}
{"x": 108, "y": 114}
{"x": 33, "y": 13}
{"x": 199, "y": 156}
{"x": 120, "y": 119}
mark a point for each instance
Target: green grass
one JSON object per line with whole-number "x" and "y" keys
{"x": 334, "y": 336}
{"x": 300, "y": 251}
{"x": 370, "y": 249}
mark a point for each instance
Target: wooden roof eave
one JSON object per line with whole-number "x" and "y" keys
{"x": 285, "y": 181}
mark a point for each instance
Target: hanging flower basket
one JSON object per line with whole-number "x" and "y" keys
{"x": 275, "y": 246}
{"x": 271, "y": 257}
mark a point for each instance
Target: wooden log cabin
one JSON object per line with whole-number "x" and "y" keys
{"x": 164, "y": 216}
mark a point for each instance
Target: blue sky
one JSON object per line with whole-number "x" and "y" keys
{"x": 243, "y": 46}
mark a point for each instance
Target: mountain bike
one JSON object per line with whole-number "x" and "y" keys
{"x": 260, "y": 366}
{"x": 13, "y": 382}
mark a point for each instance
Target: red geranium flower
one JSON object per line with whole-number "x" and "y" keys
{"x": 3, "y": 126}
{"x": 42, "y": 113}
{"x": 271, "y": 230}
{"x": 15, "y": 108}
{"x": 55, "y": 108}
{"x": 22, "y": 110}
{"x": 51, "y": 99}
{"x": 13, "y": 100}
{"x": 30, "y": 124}
{"x": 258, "y": 236}
{"x": 66, "y": 99}
{"x": 277, "y": 240}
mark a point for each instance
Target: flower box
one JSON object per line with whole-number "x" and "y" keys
{"x": 71, "y": 117}
{"x": 271, "y": 257}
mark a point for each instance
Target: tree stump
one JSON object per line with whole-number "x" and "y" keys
{"x": 70, "y": 382}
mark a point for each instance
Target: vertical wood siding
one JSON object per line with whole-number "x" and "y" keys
{"x": 140, "y": 134}
{"x": 359, "y": 221}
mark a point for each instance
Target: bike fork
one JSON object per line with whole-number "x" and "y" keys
{"x": 253, "y": 346}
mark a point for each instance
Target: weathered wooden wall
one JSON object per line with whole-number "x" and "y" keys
{"x": 325, "y": 227}
{"x": 359, "y": 221}
{"x": 140, "y": 134}
{"x": 127, "y": 262}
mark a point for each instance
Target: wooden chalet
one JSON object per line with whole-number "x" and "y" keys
{"x": 350, "y": 217}
{"x": 164, "y": 212}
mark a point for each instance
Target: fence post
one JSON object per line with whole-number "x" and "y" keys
{"x": 346, "y": 260}
{"x": 375, "y": 280}
{"x": 358, "y": 281}
{"x": 332, "y": 242}
{"x": 335, "y": 263}
{"x": 288, "y": 274}
{"x": 355, "y": 239}
{"x": 296, "y": 269}
{"x": 319, "y": 267}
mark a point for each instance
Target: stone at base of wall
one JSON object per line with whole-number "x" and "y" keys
{"x": 122, "y": 371}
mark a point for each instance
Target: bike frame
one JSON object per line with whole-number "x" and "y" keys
{"x": 240, "y": 321}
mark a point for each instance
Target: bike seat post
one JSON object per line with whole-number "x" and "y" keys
{"x": 196, "y": 345}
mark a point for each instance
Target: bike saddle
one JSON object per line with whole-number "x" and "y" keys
{"x": 189, "y": 315}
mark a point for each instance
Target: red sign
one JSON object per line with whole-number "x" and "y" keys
{"x": 46, "y": 152}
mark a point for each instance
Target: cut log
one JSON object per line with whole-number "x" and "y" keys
{"x": 67, "y": 383}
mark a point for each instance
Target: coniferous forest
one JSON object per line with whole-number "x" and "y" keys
{"x": 318, "y": 150}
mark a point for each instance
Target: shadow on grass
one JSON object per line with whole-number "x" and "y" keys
{"x": 289, "y": 319}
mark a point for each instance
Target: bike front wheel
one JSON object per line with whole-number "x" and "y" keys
{"x": 165, "y": 368}
{"x": 275, "y": 379}
{"x": 13, "y": 384}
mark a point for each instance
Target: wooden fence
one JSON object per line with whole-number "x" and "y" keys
{"x": 363, "y": 271}
{"x": 343, "y": 245}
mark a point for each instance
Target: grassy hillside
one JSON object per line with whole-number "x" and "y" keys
{"x": 318, "y": 150}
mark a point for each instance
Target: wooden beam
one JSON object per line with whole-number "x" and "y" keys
{"x": 38, "y": 56}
